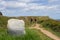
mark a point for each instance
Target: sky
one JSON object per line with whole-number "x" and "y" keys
{"x": 49, "y": 8}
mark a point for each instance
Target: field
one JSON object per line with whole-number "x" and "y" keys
{"x": 31, "y": 34}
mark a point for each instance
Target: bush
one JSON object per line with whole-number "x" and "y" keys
{"x": 53, "y": 24}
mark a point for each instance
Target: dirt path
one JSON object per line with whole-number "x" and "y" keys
{"x": 49, "y": 34}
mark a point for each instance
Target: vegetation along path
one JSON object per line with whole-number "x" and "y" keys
{"x": 47, "y": 33}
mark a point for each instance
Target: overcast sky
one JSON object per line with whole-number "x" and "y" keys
{"x": 31, "y": 8}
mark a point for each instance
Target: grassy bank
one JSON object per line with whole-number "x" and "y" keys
{"x": 31, "y": 34}
{"x": 51, "y": 25}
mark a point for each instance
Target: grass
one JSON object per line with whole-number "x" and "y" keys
{"x": 31, "y": 34}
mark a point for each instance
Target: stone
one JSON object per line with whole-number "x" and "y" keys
{"x": 16, "y": 27}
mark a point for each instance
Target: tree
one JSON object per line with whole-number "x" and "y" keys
{"x": 0, "y": 13}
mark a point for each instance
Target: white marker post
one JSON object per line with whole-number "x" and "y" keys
{"x": 16, "y": 27}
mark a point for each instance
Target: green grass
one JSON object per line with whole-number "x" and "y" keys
{"x": 31, "y": 34}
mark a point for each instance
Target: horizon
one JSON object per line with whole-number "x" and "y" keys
{"x": 16, "y": 8}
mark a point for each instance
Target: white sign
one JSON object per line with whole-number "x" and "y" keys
{"x": 16, "y": 27}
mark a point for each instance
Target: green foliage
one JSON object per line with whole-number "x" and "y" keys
{"x": 3, "y": 21}
{"x": 50, "y": 23}
{"x": 31, "y": 34}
